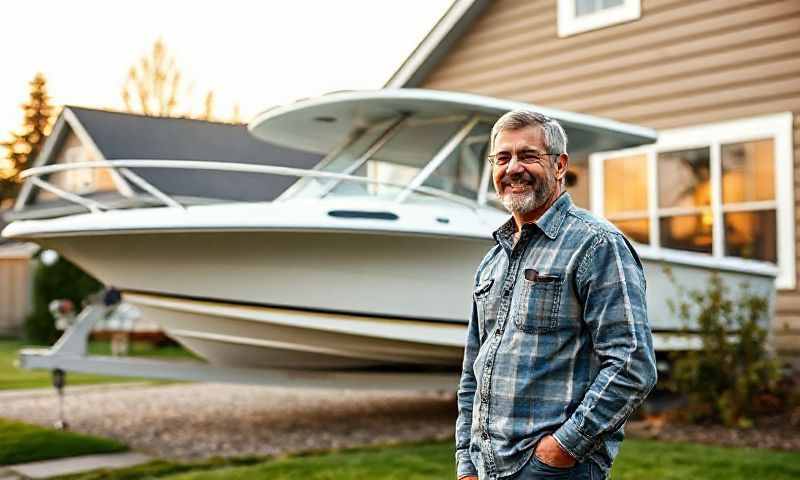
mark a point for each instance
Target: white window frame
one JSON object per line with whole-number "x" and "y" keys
{"x": 570, "y": 24}
{"x": 777, "y": 127}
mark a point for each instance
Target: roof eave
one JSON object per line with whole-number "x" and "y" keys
{"x": 437, "y": 43}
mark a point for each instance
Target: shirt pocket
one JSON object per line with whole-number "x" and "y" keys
{"x": 539, "y": 303}
{"x": 486, "y": 306}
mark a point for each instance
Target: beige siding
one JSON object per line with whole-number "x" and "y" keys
{"x": 15, "y": 278}
{"x": 787, "y": 319}
{"x": 683, "y": 63}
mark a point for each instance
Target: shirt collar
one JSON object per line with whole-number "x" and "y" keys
{"x": 549, "y": 223}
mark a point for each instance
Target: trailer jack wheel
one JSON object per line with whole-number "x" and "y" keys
{"x": 59, "y": 381}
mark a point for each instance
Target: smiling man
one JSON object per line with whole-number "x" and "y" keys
{"x": 559, "y": 352}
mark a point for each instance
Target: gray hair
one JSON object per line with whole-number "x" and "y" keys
{"x": 555, "y": 138}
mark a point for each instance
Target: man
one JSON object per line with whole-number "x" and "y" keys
{"x": 559, "y": 352}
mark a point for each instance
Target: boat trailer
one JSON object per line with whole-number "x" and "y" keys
{"x": 70, "y": 354}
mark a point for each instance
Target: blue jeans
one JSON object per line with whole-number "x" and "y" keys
{"x": 535, "y": 469}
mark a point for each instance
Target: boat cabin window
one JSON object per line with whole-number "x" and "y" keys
{"x": 342, "y": 160}
{"x": 446, "y": 154}
{"x": 461, "y": 172}
{"x": 412, "y": 146}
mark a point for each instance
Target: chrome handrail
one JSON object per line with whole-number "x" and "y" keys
{"x": 123, "y": 164}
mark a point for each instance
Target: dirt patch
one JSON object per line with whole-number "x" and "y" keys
{"x": 779, "y": 432}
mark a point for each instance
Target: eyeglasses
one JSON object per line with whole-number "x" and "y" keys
{"x": 526, "y": 157}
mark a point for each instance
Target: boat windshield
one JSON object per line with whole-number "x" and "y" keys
{"x": 446, "y": 153}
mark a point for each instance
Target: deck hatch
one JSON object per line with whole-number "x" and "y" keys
{"x": 363, "y": 214}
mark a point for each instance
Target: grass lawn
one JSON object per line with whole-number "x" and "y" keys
{"x": 667, "y": 461}
{"x": 639, "y": 459}
{"x": 12, "y": 377}
{"x": 21, "y": 443}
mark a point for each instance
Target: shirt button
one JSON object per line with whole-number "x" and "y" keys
{"x": 485, "y": 436}
{"x": 506, "y": 292}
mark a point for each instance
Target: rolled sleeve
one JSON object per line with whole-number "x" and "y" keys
{"x": 611, "y": 283}
{"x": 464, "y": 466}
{"x": 573, "y": 441}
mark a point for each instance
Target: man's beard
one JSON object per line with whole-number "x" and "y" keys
{"x": 534, "y": 197}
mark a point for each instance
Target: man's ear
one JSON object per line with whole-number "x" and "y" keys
{"x": 561, "y": 166}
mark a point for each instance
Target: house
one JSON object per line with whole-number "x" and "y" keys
{"x": 82, "y": 134}
{"x": 16, "y": 276}
{"x": 717, "y": 78}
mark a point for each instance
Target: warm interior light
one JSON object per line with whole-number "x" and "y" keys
{"x": 707, "y": 218}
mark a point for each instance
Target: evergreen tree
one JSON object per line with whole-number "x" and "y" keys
{"x": 24, "y": 145}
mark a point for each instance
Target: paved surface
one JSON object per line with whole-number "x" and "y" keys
{"x": 48, "y": 392}
{"x": 67, "y": 466}
{"x": 194, "y": 421}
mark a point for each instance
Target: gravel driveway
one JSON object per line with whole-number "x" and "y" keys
{"x": 193, "y": 421}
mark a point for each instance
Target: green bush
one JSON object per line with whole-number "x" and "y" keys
{"x": 734, "y": 376}
{"x": 62, "y": 280}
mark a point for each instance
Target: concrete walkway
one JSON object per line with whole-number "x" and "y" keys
{"x": 67, "y": 466}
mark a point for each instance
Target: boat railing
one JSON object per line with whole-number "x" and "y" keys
{"x": 123, "y": 166}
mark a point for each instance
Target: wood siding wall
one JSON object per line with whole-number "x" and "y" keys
{"x": 15, "y": 292}
{"x": 683, "y": 63}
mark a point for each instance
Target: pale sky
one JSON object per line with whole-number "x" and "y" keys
{"x": 256, "y": 53}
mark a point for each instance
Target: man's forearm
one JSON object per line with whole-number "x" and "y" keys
{"x": 617, "y": 390}
{"x": 603, "y": 410}
{"x": 613, "y": 290}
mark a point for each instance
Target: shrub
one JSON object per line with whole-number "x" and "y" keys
{"x": 62, "y": 280}
{"x": 733, "y": 376}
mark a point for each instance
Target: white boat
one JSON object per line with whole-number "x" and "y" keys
{"x": 367, "y": 261}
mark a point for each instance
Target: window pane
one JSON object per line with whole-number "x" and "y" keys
{"x": 748, "y": 172}
{"x": 358, "y": 147}
{"x": 636, "y": 230}
{"x": 587, "y": 7}
{"x": 313, "y": 187}
{"x": 684, "y": 178}
{"x": 751, "y": 235}
{"x": 612, "y": 3}
{"x": 625, "y": 184}
{"x": 461, "y": 172}
{"x": 390, "y": 173}
{"x": 417, "y": 142}
{"x": 687, "y": 232}
{"x": 584, "y": 7}
{"x": 402, "y": 157}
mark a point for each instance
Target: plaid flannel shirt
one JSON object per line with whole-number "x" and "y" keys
{"x": 558, "y": 343}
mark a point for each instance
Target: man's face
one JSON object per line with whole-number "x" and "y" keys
{"x": 523, "y": 188}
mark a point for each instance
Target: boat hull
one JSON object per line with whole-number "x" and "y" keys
{"x": 323, "y": 299}
{"x": 383, "y": 275}
{"x": 265, "y": 337}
